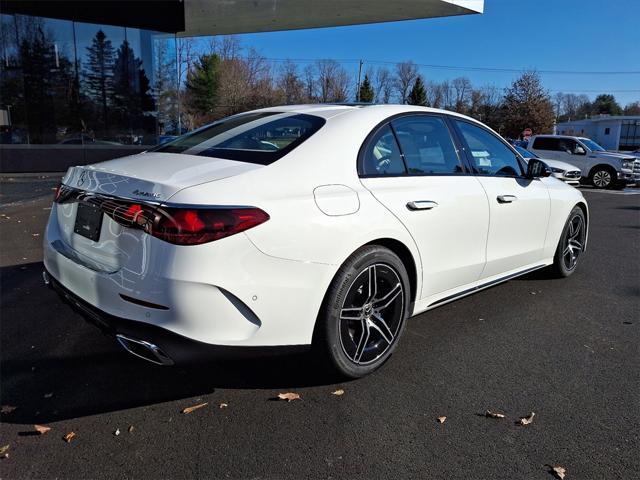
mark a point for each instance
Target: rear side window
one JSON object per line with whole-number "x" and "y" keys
{"x": 546, "y": 143}
{"x": 261, "y": 138}
{"x": 382, "y": 155}
{"x": 489, "y": 154}
{"x": 426, "y": 145}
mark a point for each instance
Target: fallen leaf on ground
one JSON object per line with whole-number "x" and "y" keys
{"x": 559, "y": 471}
{"x": 338, "y": 392}
{"x": 8, "y": 408}
{"x": 117, "y": 432}
{"x": 67, "y": 438}
{"x": 289, "y": 396}
{"x": 195, "y": 407}
{"x": 4, "y": 451}
{"x": 492, "y": 414}
{"x": 223, "y": 405}
{"x": 442, "y": 419}
{"x": 528, "y": 419}
{"x": 130, "y": 429}
{"x": 48, "y": 395}
{"x": 41, "y": 429}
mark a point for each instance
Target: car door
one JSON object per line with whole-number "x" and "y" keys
{"x": 519, "y": 207}
{"x": 411, "y": 165}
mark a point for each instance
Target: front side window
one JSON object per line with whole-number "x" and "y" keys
{"x": 382, "y": 155}
{"x": 426, "y": 145}
{"x": 490, "y": 156}
{"x": 261, "y": 138}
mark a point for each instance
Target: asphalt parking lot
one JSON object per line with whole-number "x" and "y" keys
{"x": 568, "y": 350}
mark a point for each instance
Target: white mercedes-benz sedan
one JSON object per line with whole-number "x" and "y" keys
{"x": 314, "y": 225}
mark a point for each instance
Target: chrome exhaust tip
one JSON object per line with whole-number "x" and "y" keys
{"x": 45, "y": 278}
{"x": 145, "y": 350}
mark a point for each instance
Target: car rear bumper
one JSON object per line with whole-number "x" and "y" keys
{"x": 170, "y": 348}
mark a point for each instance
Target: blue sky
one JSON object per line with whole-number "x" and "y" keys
{"x": 574, "y": 35}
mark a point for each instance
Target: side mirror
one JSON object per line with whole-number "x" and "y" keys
{"x": 579, "y": 150}
{"x": 537, "y": 169}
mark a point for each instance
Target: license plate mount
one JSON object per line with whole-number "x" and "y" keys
{"x": 88, "y": 221}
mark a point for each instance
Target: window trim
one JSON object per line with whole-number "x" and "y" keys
{"x": 388, "y": 121}
{"x": 467, "y": 149}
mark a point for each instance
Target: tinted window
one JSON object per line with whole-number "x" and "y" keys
{"x": 382, "y": 156}
{"x": 426, "y": 145}
{"x": 547, "y": 143}
{"x": 525, "y": 153}
{"x": 489, "y": 154}
{"x": 252, "y": 137}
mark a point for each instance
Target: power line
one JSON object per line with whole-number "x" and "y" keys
{"x": 463, "y": 68}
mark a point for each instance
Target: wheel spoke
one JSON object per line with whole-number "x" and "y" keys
{"x": 354, "y": 313}
{"x": 381, "y": 326}
{"x": 362, "y": 342}
{"x": 388, "y": 299}
{"x": 373, "y": 283}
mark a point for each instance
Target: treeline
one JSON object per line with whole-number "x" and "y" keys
{"x": 223, "y": 78}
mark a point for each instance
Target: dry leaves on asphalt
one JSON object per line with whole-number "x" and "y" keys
{"x": 4, "y": 451}
{"x": 117, "y": 432}
{"x": 130, "y": 429}
{"x": 69, "y": 436}
{"x": 492, "y": 414}
{"x": 442, "y": 419}
{"x": 41, "y": 429}
{"x": 559, "y": 471}
{"x": 7, "y": 409}
{"x": 527, "y": 420}
{"x": 195, "y": 407}
{"x": 338, "y": 392}
{"x": 223, "y": 405}
{"x": 289, "y": 396}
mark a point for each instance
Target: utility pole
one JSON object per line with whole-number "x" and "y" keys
{"x": 358, "y": 88}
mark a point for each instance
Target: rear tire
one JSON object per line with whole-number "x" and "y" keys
{"x": 571, "y": 244}
{"x": 603, "y": 177}
{"x": 364, "y": 312}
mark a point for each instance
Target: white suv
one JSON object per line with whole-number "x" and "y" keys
{"x": 600, "y": 168}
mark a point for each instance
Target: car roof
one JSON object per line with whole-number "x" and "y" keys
{"x": 328, "y": 110}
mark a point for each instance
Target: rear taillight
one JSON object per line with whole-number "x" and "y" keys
{"x": 187, "y": 226}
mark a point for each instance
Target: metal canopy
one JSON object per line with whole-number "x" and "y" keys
{"x": 225, "y": 17}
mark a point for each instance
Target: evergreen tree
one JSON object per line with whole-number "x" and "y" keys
{"x": 418, "y": 94}
{"x": 203, "y": 81}
{"x": 366, "y": 93}
{"x": 527, "y": 105}
{"x": 131, "y": 98}
{"x": 99, "y": 74}
{"x": 606, "y": 104}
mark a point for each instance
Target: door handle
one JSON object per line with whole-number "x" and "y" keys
{"x": 421, "y": 205}
{"x": 507, "y": 198}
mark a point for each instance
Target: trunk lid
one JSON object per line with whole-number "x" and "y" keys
{"x": 148, "y": 177}
{"x": 152, "y": 176}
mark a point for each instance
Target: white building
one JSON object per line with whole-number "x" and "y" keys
{"x": 613, "y": 132}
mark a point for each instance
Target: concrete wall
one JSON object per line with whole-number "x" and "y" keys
{"x": 58, "y": 158}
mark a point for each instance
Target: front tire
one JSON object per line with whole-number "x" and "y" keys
{"x": 603, "y": 177}
{"x": 571, "y": 244}
{"x": 364, "y": 312}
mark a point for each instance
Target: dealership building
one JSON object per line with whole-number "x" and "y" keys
{"x": 613, "y": 132}
{"x": 59, "y": 106}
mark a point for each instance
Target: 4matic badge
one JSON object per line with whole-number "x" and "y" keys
{"x": 146, "y": 194}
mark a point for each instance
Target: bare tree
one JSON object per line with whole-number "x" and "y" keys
{"x": 383, "y": 85}
{"x": 461, "y": 91}
{"x": 435, "y": 94}
{"x": 406, "y": 73}
{"x": 290, "y": 85}
{"x": 332, "y": 81}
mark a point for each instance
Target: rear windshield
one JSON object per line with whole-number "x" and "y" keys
{"x": 261, "y": 137}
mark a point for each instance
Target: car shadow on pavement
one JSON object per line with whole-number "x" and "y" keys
{"x": 55, "y": 366}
